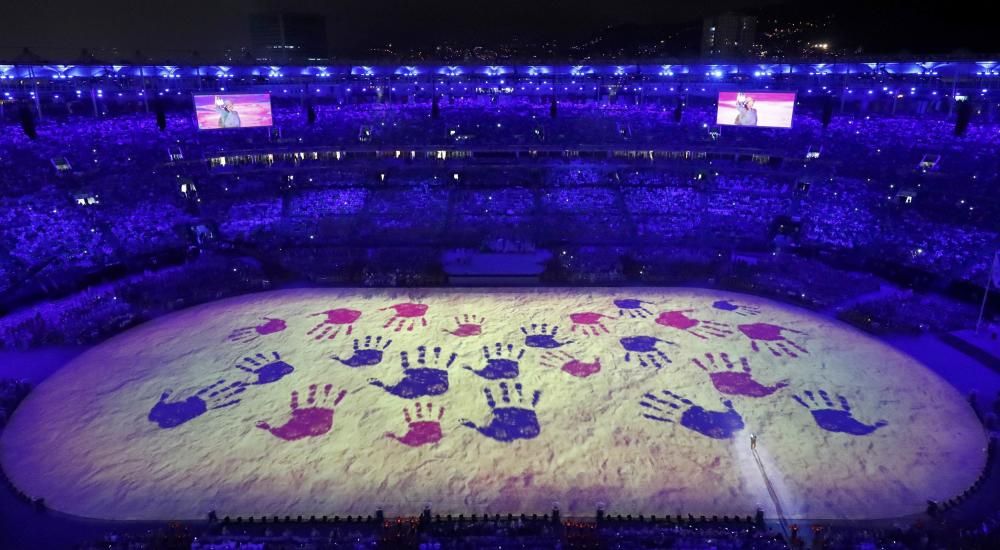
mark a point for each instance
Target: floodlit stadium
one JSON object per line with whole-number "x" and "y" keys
{"x": 626, "y": 304}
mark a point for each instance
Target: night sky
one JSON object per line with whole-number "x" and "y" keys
{"x": 56, "y": 26}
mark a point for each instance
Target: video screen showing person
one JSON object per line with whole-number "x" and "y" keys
{"x": 763, "y": 109}
{"x": 224, "y": 111}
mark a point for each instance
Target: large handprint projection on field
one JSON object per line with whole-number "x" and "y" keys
{"x": 327, "y": 401}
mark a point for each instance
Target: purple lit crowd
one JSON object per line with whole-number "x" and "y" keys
{"x": 460, "y": 533}
{"x": 620, "y": 193}
{"x": 867, "y": 169}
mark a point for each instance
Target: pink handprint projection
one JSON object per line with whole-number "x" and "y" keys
{"x": 406, "y": 315}
{"x": 696, "y": 327}
{"x": 245, "y": 335}
{"x": 732, "y": 381}
{"x": 739, "y": 309}
{"x": 422, "y": 430}
{"x": 468, "y": 325}
{"x": 314, "y": 419}
{"x": 589, "y": 323}
{"x": 334, "y": 322}
{"x": 570, "y": 364}
{"x": 772, "y": 338}
{"x": 835, "y": 417}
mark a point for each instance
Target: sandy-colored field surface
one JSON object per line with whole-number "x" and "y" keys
{"x": 181, "y": 416}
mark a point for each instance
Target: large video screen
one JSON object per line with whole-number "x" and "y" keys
{"x": 223, "y": 111}
{"x": 764, "y": 109}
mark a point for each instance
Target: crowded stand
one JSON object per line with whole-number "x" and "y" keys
{"x": 936, "y": 224}
{"x": 11, "y": 394}
{"x": 456, "y": 533}
{"x": 102, "y": 310}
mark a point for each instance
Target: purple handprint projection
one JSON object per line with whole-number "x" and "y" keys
{"x": 267, "y": 369}
{"x": 334, "y": 322}
{"x": 739, "y": 309}
{"x": 513, "y": 419}
{"x": 313, "y": 419}
{"x": 245, "y": 335}
{"x": 428, "y": 378}
{"x": 589, "y": 323}
{"x": 468, "y": 325}
{"x": 697, "y": 327}
{"x": 367, "y": 352}
{"x": 633, "y": 307}
{"x": 835, "y": 417}
{"x": 406, "y": 315}
{"x": 422, "y": 430}
{"x": 539, "y": 336}
{"x": 500, "y": 363}
{"x": 730, "y": 381}
{"x": 570, "y": 364}
{"x": 216, "y": 396}
{"x": 644, "y": 349}
{"x": 715, "y": 424}
{"x": 773, "y": 339}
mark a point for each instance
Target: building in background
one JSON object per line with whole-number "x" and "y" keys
{"x": 285, "y": 37}
{"x": 728, "y": 35}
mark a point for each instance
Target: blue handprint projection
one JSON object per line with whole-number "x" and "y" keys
{"x": 513, "y": 419}
{"x": 633, "y": 307}
{"x": 500, "y": 363}
{"x": 739, "y": 309}
{"x": 367, "y": 352}
{"x": 267, "y": 369}
{"x": 429, "y": 377}
{"x": 835, "y": 417}
{"x": 539, "y": 336}
{"x": 644, "y": 349}
{"x": 715, "y": 424}
{"x": 215, "y": 396}
{"x": 467, "y": 325}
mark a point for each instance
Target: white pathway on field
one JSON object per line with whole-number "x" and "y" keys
{"x": 763, "y": 479}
